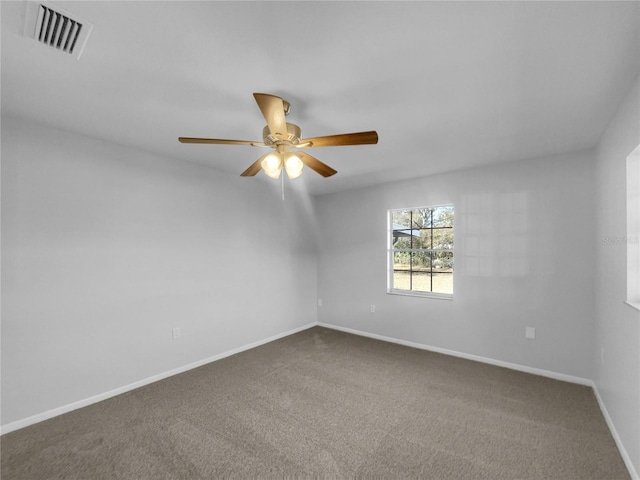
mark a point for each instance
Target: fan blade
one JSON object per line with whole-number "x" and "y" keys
{"x": 272, "y": 109}
{"x": 316, "y": 165}
{"x": 219, "y": 141}
{"x": 359, "y": 138}
{"x": 254, "y": 168}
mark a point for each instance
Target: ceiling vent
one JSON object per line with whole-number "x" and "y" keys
{"x": 56, "y": 28}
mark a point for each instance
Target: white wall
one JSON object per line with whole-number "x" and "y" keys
{"x": 105, "y": 249}
{"x": 524, "y": 256}
{"x": 617, "y": 376}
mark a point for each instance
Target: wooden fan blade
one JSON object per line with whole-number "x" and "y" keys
{"x": 316, "y": 165}
{"x": 219, "y": 141}
{"x": 254, "y": 168}
{"x": 272, "y": 109}
{"x": 359, "y": 138}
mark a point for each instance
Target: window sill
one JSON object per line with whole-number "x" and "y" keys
{"x": 409, "y": 293}
{"x": 633, "y": 305}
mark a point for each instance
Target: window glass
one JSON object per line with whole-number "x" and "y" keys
{"x": 421, "y": 251}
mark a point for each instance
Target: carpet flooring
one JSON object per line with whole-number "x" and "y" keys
{"x": 323, "y": 403}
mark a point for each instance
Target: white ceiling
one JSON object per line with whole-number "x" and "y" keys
{"x": 447, "y": 85}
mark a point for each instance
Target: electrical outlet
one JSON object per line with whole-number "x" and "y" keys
{"x": 319, "y": 302}
{"x": 530, "y": 333}
{"x": 176, "y": 333}
{"x": 372, "y": 309}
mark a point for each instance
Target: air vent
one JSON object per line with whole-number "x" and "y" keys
{"x": 56, "y": 28}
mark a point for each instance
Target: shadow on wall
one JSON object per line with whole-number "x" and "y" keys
{"x": 498, "y": 244}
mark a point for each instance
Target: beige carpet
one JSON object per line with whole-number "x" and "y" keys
{"x": 326, "y": 403}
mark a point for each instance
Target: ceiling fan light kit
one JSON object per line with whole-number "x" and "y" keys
{"x": 293, "y": 165}
{"x": 273, "y": 163}
{"x": 283, "y": 137}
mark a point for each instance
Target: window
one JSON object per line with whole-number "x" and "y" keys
{"x": 420, "y": 253}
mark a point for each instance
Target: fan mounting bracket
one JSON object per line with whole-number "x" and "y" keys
{"x": 292, "y": 138}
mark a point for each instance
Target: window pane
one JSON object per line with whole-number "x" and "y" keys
{"x": 401, "y": 261}
{"x": 443, "y": 262}
{"x": 401, "y": 218}
{"x": 442, "y": 238}
{"x": 443, "y": 217}
{"x": 401, "y": 280}
{"x": 401, "y": 242}
{"x": 420, "y": 238}
{"x": 421, "y": 261}
{"x": 421, "y": 218}
{"x": 420, "y": 276}
{"x": 401, "y": 270}
{"x": 421, "y": 281}
{"x": 442, "y": 282}
{"x": 401, "y": 230}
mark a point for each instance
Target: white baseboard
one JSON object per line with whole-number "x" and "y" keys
{"x": 614, "y": 433}
{"x": 10, "y": 427}
{"x": 25, "y": 422}
{"x": 513, "y": 366}
{"x": 468, "y": 356}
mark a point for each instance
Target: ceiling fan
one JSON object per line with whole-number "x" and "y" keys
{"x": 284, "y": 139}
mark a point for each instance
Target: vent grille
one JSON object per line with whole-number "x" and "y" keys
{"x": 56, "y": 28}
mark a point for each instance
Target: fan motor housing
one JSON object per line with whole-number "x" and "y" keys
{"x": 293, "y": 135}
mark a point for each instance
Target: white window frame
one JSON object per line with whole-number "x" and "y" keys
{"x": 391, "y": 250}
